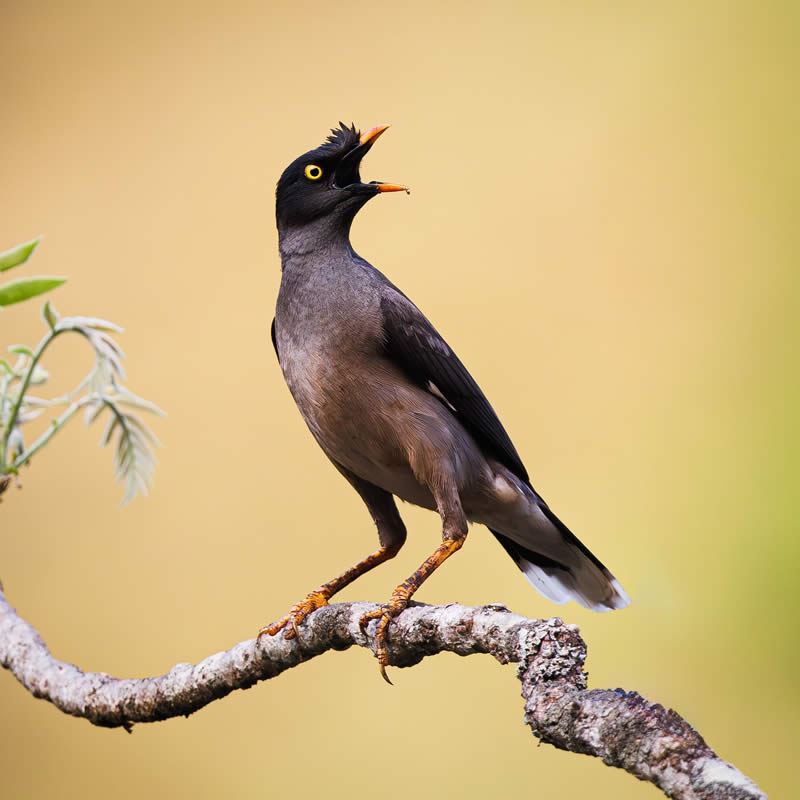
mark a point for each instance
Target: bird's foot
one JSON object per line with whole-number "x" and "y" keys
{"x": 385, "y": 614}
{"x": 297, "y": 613}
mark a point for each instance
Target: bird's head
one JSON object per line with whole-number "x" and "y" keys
{"x": 326, "y": 183}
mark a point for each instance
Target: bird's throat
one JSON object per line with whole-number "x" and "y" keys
{"x": 325, "y": 237}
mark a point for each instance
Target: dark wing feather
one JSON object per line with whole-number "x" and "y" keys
{"x": 274, "y": 340}
{"x": 415, "y": 346}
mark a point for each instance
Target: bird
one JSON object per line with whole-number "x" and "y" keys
{"x": 394, "y": 408}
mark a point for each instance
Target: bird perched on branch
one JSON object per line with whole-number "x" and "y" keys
{"x": 393, "y": 407}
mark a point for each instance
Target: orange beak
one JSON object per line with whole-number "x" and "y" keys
{"x": 368, "y": 138}
{"x": 392, "y": 187}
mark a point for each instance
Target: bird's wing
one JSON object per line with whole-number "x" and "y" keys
{"x": 274, "y": 340}
{"x": 416, "y": 347}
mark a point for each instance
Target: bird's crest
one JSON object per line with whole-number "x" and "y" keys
{"x": 342, "y": 139}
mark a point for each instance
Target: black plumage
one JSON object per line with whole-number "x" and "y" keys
{"x": 416, "y": 346}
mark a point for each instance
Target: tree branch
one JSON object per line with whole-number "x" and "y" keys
{"x": 622, "y": 728}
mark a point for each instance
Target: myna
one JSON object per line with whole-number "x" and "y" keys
{"x": 393, "y": 407}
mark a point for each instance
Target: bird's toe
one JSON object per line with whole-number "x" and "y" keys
{"x": 384, "y": 614}
{"x": 298, "y": 612}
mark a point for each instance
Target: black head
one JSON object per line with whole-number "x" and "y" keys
{"x": 326, "y": 183}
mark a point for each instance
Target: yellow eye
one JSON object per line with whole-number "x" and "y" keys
{"x": 313, "y": 172}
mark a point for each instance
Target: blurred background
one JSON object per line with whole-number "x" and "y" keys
{"x": 603, "y": 225}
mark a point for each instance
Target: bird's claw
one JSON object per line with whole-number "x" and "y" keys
{"x": 384, "y": 614}
{"x": 297, "y": 613}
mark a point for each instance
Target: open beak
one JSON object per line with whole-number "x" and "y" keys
{"x": 347, "y": 175}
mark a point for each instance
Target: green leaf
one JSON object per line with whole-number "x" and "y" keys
{"x": 20, "y": 350}
{"x": 18, "y": 255}
{"x": 25, "y": 288}
{"x": 50, "y": 315}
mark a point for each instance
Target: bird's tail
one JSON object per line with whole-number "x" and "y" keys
{"x": 560, "y": 566}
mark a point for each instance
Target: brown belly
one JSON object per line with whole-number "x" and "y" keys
{"x": 386, "y": 430}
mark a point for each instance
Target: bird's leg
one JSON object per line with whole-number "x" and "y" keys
{"x": 391, "y": 533}
{"x": 400, "y": 598}
{"x": 319, "y": 597}
{"x": 454, "y": 532}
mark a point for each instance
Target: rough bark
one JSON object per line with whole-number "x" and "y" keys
{"x": 653, "y": 743}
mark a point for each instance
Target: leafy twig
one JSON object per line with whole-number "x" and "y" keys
{"x": 102, "y": 389}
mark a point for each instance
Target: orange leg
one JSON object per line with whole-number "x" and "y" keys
{"x": 401, "y": 596}
{"x": 319, "y": 597}
{"x": 391, "y": 534}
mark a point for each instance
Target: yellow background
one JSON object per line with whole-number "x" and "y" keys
{"x": 602, "y": 223}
